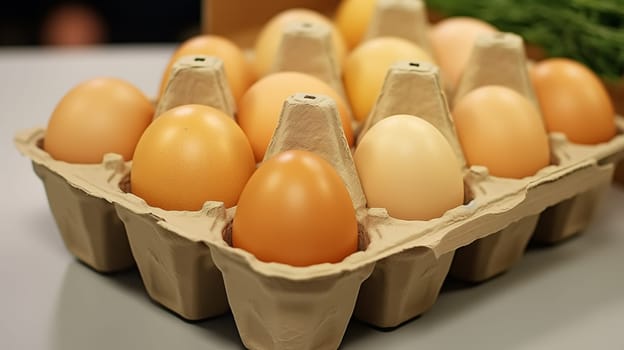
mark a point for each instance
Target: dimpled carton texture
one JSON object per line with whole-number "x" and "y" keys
{"x": 186, "y": 261}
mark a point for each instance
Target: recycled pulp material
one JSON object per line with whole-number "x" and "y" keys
{"x": 187, "y": 264}
{"x": 403, "y": 19}
{"x": 200, "y": 80}
{"x": 88, "y": 224}
{"x": 298, "y": 41}
{"x": 293, "y": 307}
{"x": 497, "y": 59}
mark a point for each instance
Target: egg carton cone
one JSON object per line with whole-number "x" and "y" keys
{"x": 87, "y": 222}
{"x": 307, "y": 48}
{"x": 497, "y": 59}
{"x": 197, "y": 79}
{"x": 406, "y": 19}
{"x": 415, "y": 88}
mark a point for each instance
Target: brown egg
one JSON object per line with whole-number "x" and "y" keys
{"x": 296, "y": 210}
{"x": 452, "y": 40}
{"x": 189, "y": 155}
{"x": 269, "y": 39}
{"x": 502, "y": 130}
{"x": 98, "y": 116}
{"x": 353, "y": 18}
{"x": 261, "y": 106}
{"x": 237, "y": 71}
{"x": 574, "y": 101}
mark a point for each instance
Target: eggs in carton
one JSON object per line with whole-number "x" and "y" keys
{"x": 188, "y": 265}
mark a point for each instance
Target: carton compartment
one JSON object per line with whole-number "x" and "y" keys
{"x": 570, "y": 217}
{"x": 488, "y": 257}
{"x": 90, "y": 229}
{"x": 285, "y": 313}
{"x": 177, "y": 272}
{"x": 197, "y": 79}
{"x": 401, "y": 287}
{"x": 88, "y": 225}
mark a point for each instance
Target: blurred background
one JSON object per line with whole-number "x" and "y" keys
{"x": 87, "y": 22}
{"x": 589, "y": 31}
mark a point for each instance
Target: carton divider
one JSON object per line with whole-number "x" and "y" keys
{"x": 497, "y": 59}
{"x": 307, "y": 48}
{"x": 311, "y": 122}
{"x": 414, "y": 88}
{"x": 391, "y": 18}
{"x": 197, "y": 79}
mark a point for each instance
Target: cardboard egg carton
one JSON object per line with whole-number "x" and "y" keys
{"x": 187, "y": 264}
{"x": 186, "y": 261}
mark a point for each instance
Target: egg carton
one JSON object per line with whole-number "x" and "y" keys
{"x": 187, "y": 264}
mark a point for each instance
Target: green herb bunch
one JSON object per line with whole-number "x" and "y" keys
{"x": 589, "y": 31}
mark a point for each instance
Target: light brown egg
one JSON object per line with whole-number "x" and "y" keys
{"x": 502, "y": 130}
{"x": 574, "y": 101}
{"x": 189, "y": 155}
{"x": 98, "y": 116}
{"x": 296, "y": 210}
{"x": 353, "y": 18}
{"x": 407, "y": 166}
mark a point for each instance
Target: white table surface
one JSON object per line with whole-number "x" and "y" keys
{"x": 567, "y": 297}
